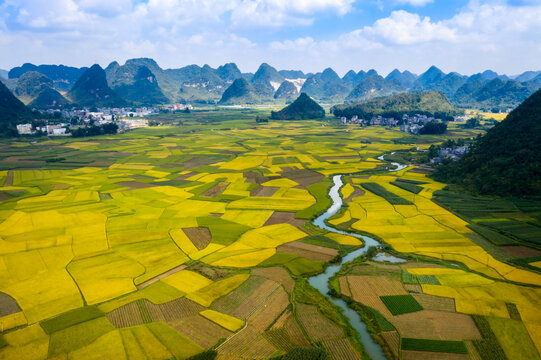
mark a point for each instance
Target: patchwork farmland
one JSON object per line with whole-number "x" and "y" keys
{"x": 167, "y": 242}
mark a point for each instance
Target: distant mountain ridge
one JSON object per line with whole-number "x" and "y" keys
{"x": 92, "y": 89}
{"x": 206, "y": 85}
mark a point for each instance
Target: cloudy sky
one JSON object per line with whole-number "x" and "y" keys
{"x": 467, "y": 36}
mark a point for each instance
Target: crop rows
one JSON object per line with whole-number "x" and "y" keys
{"x": 379, "y": 190}
{"x": 445, "y": 346}
{"x": 401, "y": 304}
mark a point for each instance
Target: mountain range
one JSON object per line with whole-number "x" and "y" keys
{"x": 143, "y": 82}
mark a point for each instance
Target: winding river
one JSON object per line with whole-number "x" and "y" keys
{"x": 321, "y": 281}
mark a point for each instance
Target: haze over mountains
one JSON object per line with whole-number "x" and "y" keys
{"x": 143, "y": 82}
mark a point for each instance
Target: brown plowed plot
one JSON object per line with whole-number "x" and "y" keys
{"x": 143, "y": 311}
{"x": 127, "y": 315}
{"x": 521, "y": 251}
{"x": 180, "y": 308}
{"x": 308, "y": 251}
{"x": 431, "y": 324}
{"x": 357, "y": 192}
{"x": 286, "y": 328}
{"x": 341, "y": 349}
{"x": 199, "y": 236}
{"x": 255, "y": 299}
{"x": 278, "y": 274}
{"x": 426, "y": 355}
{"x": 431, "y": 302}
{"x": 215, "y": 190}
{"x": 472, "y": 351}
{"x": 317, "y": 327}
{"x": 380, "y": 285}
{"x": 201, "y": 330}
{"x": 8, "y": 305}
{"x": 161, "y": 276}
{"x": 268, "y": 310}
{"x": 232, "y": 301}
{"x": 371, "y": 268}
{"x": 393, "y": 340}
{"x": 344, "y": 286}
{"x": 248, "y": 343}
{"x": 135, "y": 184}
{"x": 279, "y": 217}
{"x": 303, "y": 177}
{"x": 255, "y": 178}
{"x": 264, "y": 191}
{"x": 185, "y": 176}
{"x": 413, "y": 288}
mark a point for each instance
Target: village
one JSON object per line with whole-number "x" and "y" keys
{"x": 61, "y": 123}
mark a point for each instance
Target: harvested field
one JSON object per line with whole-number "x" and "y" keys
{"x": 237, "y": 298}
{"x": 199, "y": 236}
{"x": 248, "y": 343}
{"x": 521, "y": 251}
{"x": 180, "y": 308}
{"x": 303, "y": 177}
{"x": 161, "y": 276}
{"x": 209, "y": 272}
{"x": 8, "y": 305}
{"x": 315, "y": 325}
{"x": 255, "y": 299}
{"x": 377, "y": 285}
{"x": 279, "y": 217}
{"x": 426, "y": 355}
{"x": 277, "y": 274}
{"x": 344, "y": 286}
{"x": 135, "y": 184}
{"x": 393, "y": 340}
{"x": 143, "y": 311}
{"x": 288, "y": 323}
{"x": 308, "y": 251}
{"x": 264, "y": 191}
{"x": 341, "y": 349}
{"x": 430, "y": 302}
{"x": 269, "y": 309}
{"x": 215, "y": 190}
{"x": 201, "y": 330}
{"x": 9, "y": 179}
{"x": 430, "y": 324}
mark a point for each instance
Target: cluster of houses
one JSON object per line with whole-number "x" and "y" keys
{"x": 408, "y": 123}
{"x": 452, "y": 154}
{"x": 125, "y": 118}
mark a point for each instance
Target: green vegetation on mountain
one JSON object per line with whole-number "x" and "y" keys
{"x": 406, "y": 78}
{"x": 505, "y": 161}
{"x": 373, "y": 86}
{"x": 63, "y": 77}
{"x": 49, "y": 98}
{"x": 141, "y": 88}
{"x": 287, "y": 91}
{"x": 302, "y": 108}
{"x": 240, "y": 92}
{"x": 493, "y": 94}
{"x": 429, "y": 102}
{"x": 448, "y": 85}
{"x": 30, "y": 84}
{"x": 92, "y": 90}
{"x": 12, "y": 112}
{"x": 325, "y": 85}
{"x": 266, "y": 79}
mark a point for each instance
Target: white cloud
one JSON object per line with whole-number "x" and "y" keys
{"x": 415, "y": 2}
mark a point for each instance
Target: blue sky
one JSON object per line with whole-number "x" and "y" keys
{"x": 466, "y": 36}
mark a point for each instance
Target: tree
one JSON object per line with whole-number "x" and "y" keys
{"x": 433, "y": 128}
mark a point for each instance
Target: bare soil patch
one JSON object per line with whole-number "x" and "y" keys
{"x": 303, "y": 177}
{"x": 521, "y": 251}
{"x": 8, "y": 305}
{"x": 161, "y": 276}
{"x": 264, "y": 191}
{"x": 427, "y": 355}
{"x": 309, "y": 251}
{"x": 279, "y": 217}
{"x": 278, "y": 274}
{"x": 216, "y": 190}
{"x": 199, "y": 236}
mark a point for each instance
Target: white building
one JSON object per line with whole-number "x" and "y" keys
{"x": 24, "y": 129}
